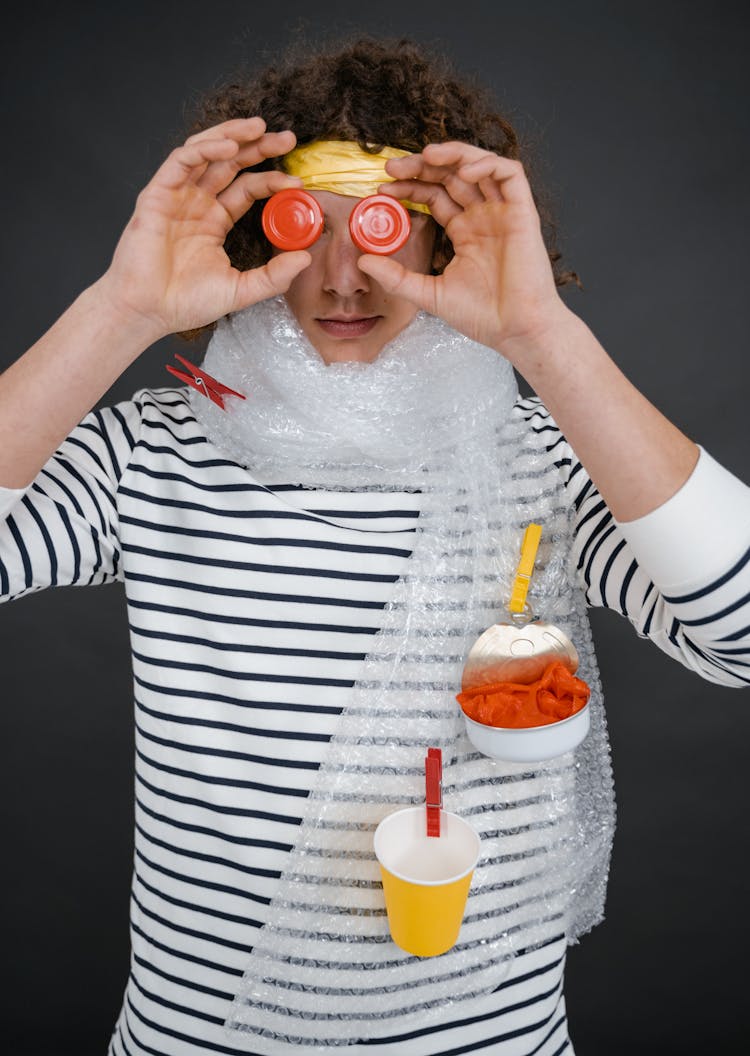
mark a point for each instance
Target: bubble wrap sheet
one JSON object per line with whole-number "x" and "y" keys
{"x": 433, "y": 413}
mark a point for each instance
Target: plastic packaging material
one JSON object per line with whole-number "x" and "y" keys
{"x": 555, "y": 695}
{"x": 433, "y": 413}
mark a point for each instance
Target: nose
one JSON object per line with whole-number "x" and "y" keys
{"x": 342, "y": 276}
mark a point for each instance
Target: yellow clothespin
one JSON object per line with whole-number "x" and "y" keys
{"x": 529, "y": 547}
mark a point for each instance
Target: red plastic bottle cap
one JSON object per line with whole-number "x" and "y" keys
{"x": 292, "y": 219}
{"x": 379, "y": 224}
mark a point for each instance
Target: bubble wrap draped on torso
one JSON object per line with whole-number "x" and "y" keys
{"x": 431, "y": 414}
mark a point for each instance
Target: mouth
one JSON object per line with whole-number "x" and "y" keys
{"x": 353, "y": 326}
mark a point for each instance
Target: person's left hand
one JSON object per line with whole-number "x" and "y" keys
{"x": 499, "y": 288}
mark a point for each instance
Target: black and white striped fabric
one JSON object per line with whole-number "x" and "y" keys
{"x": 251, "y": 608}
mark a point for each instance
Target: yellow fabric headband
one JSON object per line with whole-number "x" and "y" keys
{"x": 343, "y": 168}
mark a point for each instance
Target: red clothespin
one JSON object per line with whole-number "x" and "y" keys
{"x": 203, "y": 382}
{"x": 433, "y": 767}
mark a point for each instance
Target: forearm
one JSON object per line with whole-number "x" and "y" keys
{"x": 46, "y": 392}
{"x": 635, "y": 456}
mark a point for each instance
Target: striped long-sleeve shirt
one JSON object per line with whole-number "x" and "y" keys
{"x": 250, "y": 609}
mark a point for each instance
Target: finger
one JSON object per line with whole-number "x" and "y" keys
{"x": 273, "y": 278}
{"x": 249, "y": 187}
{"x": 454, "y": 152}
{"x": 490, "y": 190}
{"x": 483, "y": 174}
{"x": 433, "y": 195}
{"x": 507, "y": 175}
{"x": 189, "y": 162}
{"x": 415, "y": 167}
{"x": 271, "y": 145}
{"x": 238, "y": 128}
{"x": 464, "y": 193}
{"x": 399, "y": 281}
{"x": 436, "y": 156}
{"x": 406, "y": 168}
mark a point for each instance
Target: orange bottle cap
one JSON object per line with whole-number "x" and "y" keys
{"x": 292, "y": 219}
{"x": 379, "y": 224}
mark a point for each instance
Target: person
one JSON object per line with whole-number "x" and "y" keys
{"x": 299, "y": 615}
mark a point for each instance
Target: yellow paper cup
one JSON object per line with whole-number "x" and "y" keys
{"x": 426, "y": 879}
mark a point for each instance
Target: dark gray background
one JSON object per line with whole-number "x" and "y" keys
{"x": 639, "y": 118}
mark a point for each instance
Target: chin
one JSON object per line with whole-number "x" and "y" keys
{"x": 349, "y": 352}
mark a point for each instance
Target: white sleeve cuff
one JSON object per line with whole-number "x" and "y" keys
{"x": 696, "y": 535}
{"x": 8, "y": 498}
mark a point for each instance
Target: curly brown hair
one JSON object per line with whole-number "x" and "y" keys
{"x": 375, "y": 92}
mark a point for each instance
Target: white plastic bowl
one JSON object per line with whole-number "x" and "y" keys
{"x": 529, "y": 744}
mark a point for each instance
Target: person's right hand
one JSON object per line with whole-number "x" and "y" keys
{"x": 170, "y": 269}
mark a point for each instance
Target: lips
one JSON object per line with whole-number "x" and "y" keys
{"x": 354, "y": 327}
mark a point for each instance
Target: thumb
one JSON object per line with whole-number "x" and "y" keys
{"x": 398, "y": 280}
{"x": 272, "y": 278}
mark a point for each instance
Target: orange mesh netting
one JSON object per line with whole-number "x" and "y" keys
{"x": 556, "y": 695}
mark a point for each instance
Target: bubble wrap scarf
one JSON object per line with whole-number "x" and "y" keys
{"x": 433, "y": 414}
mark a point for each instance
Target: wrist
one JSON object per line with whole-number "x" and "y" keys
{"x": 143, "y": 330}
{"x": 549, "y": 348}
